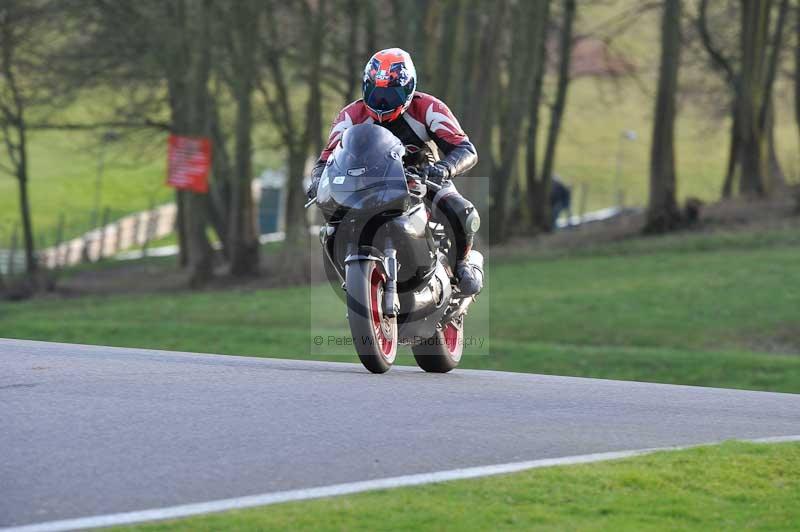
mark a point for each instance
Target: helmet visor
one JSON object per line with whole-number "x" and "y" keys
{"x": 384, "y": 99}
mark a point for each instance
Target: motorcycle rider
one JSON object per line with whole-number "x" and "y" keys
{"x": 436, "y": 146}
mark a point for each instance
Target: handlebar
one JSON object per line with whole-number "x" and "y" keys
{"x": 433, "y": 186}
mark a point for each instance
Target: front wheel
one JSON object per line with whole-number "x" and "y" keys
{"x": 374, "y": 334}
{"x": 441, "y": 352}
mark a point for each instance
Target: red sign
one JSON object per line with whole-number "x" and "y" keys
{"x": 189, "y": 163}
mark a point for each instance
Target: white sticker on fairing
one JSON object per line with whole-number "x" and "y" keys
{"x": 355, "y": 172}
{"x": 338, "y": 180}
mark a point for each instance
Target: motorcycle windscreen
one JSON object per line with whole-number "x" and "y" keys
{"x": 365, "y": 170}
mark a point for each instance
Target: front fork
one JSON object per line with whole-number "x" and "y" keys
{"x": 391, "y": 302}
{"x": 389, "y": 264}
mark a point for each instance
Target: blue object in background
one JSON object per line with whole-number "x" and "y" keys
{"x": 269, "y": 210}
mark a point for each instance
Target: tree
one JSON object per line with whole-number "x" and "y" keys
{"x": 183, "y": 46}
{"x": 750, "y": 73}
{"x": 540, "y": 188}
{"x": 159, "y": 51}
{"x": 482, "y": 66}
{"x": 662, "y": 209}
{"x": 525, "y": 65}
{"x": 186, "y": 63}
{"x": 755, "y": 92}
{"x": 15, "y": 31}
{"x": 26, "y": 31}
{"x": 241, "y": 76}
{"x": 797, "y": 67}
{"x": 298, "y": 135}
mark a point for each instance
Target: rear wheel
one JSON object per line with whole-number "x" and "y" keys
{"x": 441, "y": 352}
{"x": 374, "y": 334}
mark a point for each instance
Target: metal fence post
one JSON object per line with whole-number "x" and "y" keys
{"x": 12, "y": 250}
{"x": 584, "y": 201}
{"x": 2, "y": 273}
{"x": 67, "y": 255}
{"x": 102, "y": 250}
{"x": 136, "y": 223}
{"x": 86, "y": 240}
{"x": 40, "y": 256}
{"x": 149, "y": 228}
{"x": 117, "y": 237}
{"x": 59, "y": 240}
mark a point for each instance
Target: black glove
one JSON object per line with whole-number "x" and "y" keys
{"x": 311, "y": 193}
{"x": 413, "y": 174}
{"x": 439, "y": 172}
{"x": 316, "y": 173}
{"x": 416, "y": 182}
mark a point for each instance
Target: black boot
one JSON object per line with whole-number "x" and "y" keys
{"x": 469, "y": 273}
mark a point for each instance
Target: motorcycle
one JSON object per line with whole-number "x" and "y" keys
{"x": 395, "y": 263}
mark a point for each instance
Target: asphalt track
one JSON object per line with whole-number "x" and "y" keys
{"x": 88, "y": 431}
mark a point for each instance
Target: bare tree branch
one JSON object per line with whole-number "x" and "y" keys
{"x": 66, "y": 126}
{"x": 718, "y": 59}
{"x": 774, "y": 59}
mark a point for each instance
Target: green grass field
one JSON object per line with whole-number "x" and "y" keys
{"x": 733, "y": 486}
{"x": 63, "y": 174}
{"x": 710, "y": 310}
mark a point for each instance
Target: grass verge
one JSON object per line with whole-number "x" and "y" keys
{"x": 720, "y": 313}
{"x": 732, "y": 486}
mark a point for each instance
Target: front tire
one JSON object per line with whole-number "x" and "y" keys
{"x": 441, "y": 352}
{"x": 374, "y": 334}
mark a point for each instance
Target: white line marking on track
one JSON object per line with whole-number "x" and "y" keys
{"x": 238, "y": 503}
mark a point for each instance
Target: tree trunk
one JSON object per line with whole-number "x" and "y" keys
{"x": 371, "y": 38}
{"x": 24, "y": 202}
{"x": 201, "y": 255}
{"x": 535, "y": 197}
{"x": 471, "y": 41}
{"x": 733, "y": 157}
{"x": 295, "y": 137}
{"x": 483, "y": 76}
{"x": 244, "y": 256}
{"x": 314, "y": 105}
{"x": 187, "y": 69}
{"x": 12, "y": 115}
{"x": 546, "y": 178}
{"x": 220, "y": 192}
{"x": 797, "y": 68}
{"x": 525, "y": 15}
{"x": 181, "y": 230}
{"x": 662, "y": 209}
{"x": 352, "y": 55}
{"x": 450, "y": 25}
{"x": 296, "y": 223}
{"x": 756, "y": 80}
{"x": 242, "y": 238}
{"x": 777, "y": 179}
